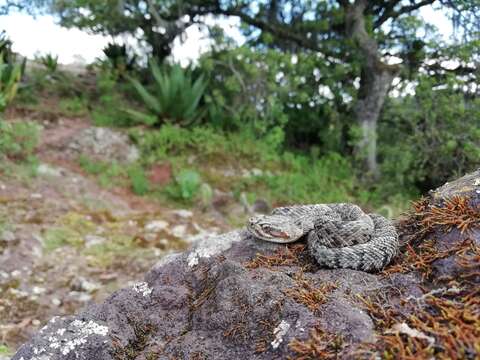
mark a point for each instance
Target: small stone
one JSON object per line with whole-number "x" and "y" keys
{"x": 183, "y": 213}
{"x": 81, "y": 284}
{"x": 92, "y": 240}
{"x": 38, "y": 290}
{"x": 156, "y": 225}
{"x": 179, "y": 231}
{"x": 476, "y": 182}
{"x": 56, "y": 302}
{"x": 36, "y": 196}
{"x": 47, "y": 170}
{"x": 36, "y": 322}
{"x": 7, "y": 236}
{"x": 80, "y": 296}
{"x": 256, "y": 172}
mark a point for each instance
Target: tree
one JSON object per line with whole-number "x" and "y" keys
{"x": 362, "y": 33}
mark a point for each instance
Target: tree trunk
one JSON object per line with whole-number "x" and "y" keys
{"x": 376, "y": 79}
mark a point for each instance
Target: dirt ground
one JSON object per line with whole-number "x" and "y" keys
{"x": 66, "y": 241}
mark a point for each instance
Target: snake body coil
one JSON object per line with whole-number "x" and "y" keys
{"x": 338, "y": 235}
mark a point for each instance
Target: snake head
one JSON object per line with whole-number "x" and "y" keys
{"x": 274, "y": 228}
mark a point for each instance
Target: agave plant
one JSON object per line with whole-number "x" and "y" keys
{"x": 174, "y": 98}
{"x": 119, "y": 58}
{"x": 5, "y": 47}
{"x": 10, "y": 75}
{"x": 50, "y": 62}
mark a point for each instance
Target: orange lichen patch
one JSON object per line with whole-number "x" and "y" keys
{"x": 284, "y": 256}
{"x": 320, "y": 345}
{"x": 307, "y": 294}
{"x": 421, "y": 259}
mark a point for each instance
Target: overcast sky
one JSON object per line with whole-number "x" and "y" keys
{"x": 41, "y": 35}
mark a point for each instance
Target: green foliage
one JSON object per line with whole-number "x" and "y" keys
{"x": 5, "y": 351}
{"x": 50, "y": 62}
{"x": 310, "y": 180}
{"x": 18, "y": 140}
{"x": 56, "y": 237}
{"x": 74, "y": 106}
{"x": 174, "y": 98}
{"x": 119, "y": 59}
{"x": 108, "y": 110}
{"x": 10, "y": 75}
{"x": 429, "y": 138}
{"x": 109, "y": 173}
{"x": 266, "y": 89}
{"x": 186, "y": 186}
{"x": 139, "y": 182}
{"x": 207, "y": 144}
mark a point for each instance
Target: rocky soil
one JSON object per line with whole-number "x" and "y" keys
{"x": 66, "y": 241}
{"x": 234, "y": 297}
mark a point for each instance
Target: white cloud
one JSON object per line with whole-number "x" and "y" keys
{"x": 41, "y": 35}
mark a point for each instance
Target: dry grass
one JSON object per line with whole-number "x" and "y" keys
{"x": 320, "y": 345}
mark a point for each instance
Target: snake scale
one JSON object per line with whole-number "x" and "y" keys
{"x": 338, "y": 235}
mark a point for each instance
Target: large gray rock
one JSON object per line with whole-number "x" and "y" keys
{"x": 104, "y": 144}
{"x": 214, "y": 302}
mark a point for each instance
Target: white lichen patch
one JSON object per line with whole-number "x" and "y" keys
{"x": 279, "y": 332}
{"x": 83, "y": 331}
{"x": 211, "y": 246}
{"x": 142, "y": 288}
{"x": 476, "y": 182}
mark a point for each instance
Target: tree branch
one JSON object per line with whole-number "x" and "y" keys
{"x": 403, "y": 10}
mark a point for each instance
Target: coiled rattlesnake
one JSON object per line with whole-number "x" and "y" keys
{"x": 338, "y": 235}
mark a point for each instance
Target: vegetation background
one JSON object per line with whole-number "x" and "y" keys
{"x": 333, "y": 100}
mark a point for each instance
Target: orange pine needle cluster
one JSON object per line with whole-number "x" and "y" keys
{"x": 284, "y": 256}
{"x": 320, "y": 345}
{"x": 310, "y": 296}
{"x": 454, "y": 213}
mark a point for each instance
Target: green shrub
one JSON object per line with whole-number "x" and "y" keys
{"x": 308, "y": 180}
{"x": 428, "y": 139}
{"x": 75, "y": 106}
{"x": 10, "y": 75}
{"x": 139, "y": 182}
{"x": 109, "y": 173}
{"x": 261, "y": 89}
{"x": 18, "y": 140}
{"x": 186, "y": 186}
{"x": 208, "y": 144}
{"x": 50, "y": 62}
{"x": 119, "y": 59}
{"x": 108, "y": 110}
{"x": 174, "y": 98}
{"x": 5, "y": 350}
